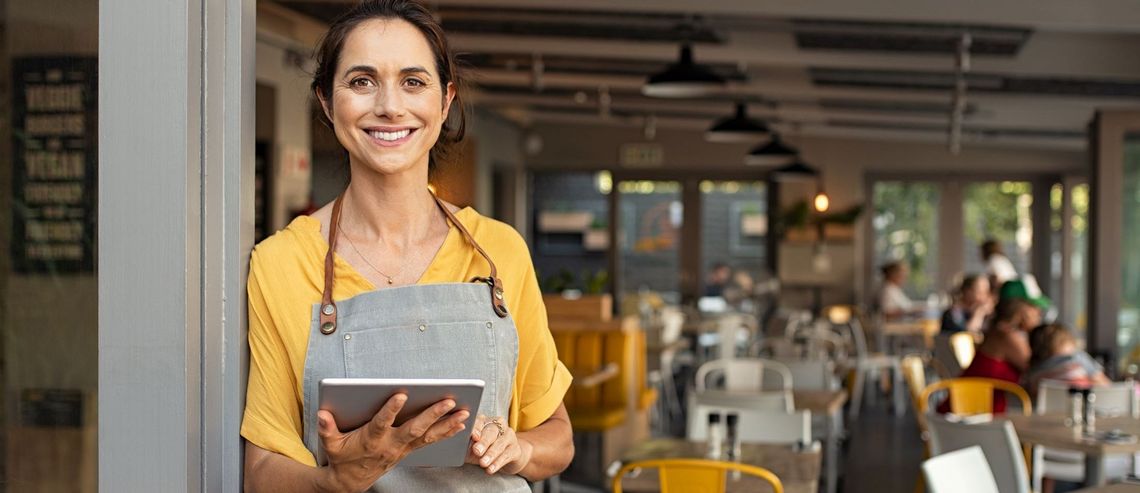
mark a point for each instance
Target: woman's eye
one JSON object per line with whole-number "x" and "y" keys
{"x": 360, "y": 82}
{"x": 415, "y": 83}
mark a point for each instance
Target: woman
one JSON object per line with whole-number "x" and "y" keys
{"x": 973, "y": 304}
{"x": 389, "y": 281}
{"x": 1004, "y": 352}
{"x": 891, "y": 301}
{"x": 998, "y": 266}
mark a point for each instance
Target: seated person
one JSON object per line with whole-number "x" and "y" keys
{"x": 891, "y": 301}
{"x": 969, "y": 311}
{"x": 718, "y": 279}
{"x": 1004, "y": 351}
{"x": 1056, "y": 357}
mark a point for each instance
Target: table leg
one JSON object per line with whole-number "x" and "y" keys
{"x": 832, "y": 457}
{"x": 897, "y": 390}
{"x": 1094, "y": 470}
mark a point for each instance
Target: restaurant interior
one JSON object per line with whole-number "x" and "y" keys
{"x": 753, "y": 223}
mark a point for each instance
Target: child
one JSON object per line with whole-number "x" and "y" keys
{"x": 1055, "y": 357}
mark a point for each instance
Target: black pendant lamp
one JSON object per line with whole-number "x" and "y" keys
{"x": 737, "y": 128}
{"x": 772, "y": 152}
{"x": 796, "y": 171}
{"x": 683, "y": 79}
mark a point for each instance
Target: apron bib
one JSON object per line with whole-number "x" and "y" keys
{"x": 453, "y": 330}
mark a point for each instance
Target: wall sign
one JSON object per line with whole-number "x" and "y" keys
{"x": 54, "y": 116}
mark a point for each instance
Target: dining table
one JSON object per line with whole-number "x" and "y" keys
{"x": 1051, "y": 430}
{"x": 1112, "y": 488}
{"x": 797, "y": 467}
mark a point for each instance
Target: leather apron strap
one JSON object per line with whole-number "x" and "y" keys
{"x": 328, "y": 306}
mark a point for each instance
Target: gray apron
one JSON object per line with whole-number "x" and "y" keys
{"x": 455, "y": 330}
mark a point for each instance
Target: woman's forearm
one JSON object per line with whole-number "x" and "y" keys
{"x": 552, "y": 446}
{"x": 267, "y": 471}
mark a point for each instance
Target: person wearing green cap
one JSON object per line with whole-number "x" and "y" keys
{"x": 1025, "y": 288}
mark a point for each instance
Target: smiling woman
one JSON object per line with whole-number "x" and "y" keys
{"x": 399, "y": 301}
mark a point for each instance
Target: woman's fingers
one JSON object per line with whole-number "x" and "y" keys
{"x": 326, "y": 427}
{"x": 415, "y": 428}
{"x": 490, "y": 436}
{"x": 494, "y": 450}
{"x": 509, "y": 453}
{"x": 382, "y": 421}
{"x": 444, "y": 428}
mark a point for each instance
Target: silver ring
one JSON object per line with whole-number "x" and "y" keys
{"x": 497, "y": 424}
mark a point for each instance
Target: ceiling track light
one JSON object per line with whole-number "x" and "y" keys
{"x": 683, "y": 79}
{"x": 738, "y": 128}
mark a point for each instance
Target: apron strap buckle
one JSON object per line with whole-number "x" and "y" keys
{"x": 498, "y": 297}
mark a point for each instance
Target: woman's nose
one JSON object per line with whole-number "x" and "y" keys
{"x": 389, "y": 103}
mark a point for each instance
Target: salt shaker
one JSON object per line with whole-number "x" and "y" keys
{"x": 1076, "y": 407}
{"x": 716, "y": 437}
{"x": 1090, "y": 411}
{"x": 733, "y": 438}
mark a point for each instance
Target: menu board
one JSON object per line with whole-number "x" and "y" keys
{"x": 54, "y": 117}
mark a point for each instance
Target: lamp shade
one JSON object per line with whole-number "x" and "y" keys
{"x": 771, "y": 153}
{"x": 737, "y": 128}
{"x": 683, "y": 79}
{"x": 796, "y": 171}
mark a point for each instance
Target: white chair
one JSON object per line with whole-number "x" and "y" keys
{"x": 1067, "y": 465}
{"x": 769, "y": 400}
{"x": 755, "y": 426}
{"x": 997, "y": 439}
{"x": 961, "y": 471}
{"x": 866, "y": 364}
{"x": 810, "y": 374}
{"x": 744, "y": 374}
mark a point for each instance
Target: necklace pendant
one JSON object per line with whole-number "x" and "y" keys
{"x": 390, "y": 280}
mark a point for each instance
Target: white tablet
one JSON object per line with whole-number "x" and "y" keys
{"x": 354, "y": 401}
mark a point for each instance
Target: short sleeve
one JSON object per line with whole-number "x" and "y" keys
{"x": 272, "y": 418}
{"x": 541, "y": 379}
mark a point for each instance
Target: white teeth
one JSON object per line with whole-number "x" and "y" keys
{"x": 389, "y": 136}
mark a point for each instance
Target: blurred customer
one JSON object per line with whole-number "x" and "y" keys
{"x": 998, "y": 266}
{"x": 973, "y": 304}
{"x": 1026, "y": 288}
{"x": 1056, "y": 357}
{"x": 1004, "y": 351}
{"x": 891, "y": 301}
{"x": 718, "y": 279}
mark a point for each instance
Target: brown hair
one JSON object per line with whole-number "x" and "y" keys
{"x": 415, "y": 13}
{"x": 1046, "y": 341}
{"x": 990, "y": 247}
{"x": 1009, "y": 310}
{"x": 890, "y": 268}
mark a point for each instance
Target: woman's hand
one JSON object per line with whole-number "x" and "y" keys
{"x": 496, "y": 448}
{"x": 358, "y": 458}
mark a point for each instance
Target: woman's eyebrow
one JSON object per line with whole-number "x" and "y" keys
{"x": 414, "y": 70}
{"x": 365, "y": 69}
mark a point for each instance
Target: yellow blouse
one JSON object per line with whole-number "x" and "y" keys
{"x": 286, "y": 275}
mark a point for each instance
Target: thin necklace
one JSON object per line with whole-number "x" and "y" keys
{"x": 365, "y": 259}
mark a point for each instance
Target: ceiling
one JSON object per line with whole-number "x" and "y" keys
{"x": 1038, "y": 68}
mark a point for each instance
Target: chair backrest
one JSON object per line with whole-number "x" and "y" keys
{"x": 755, "y": 426}
{"x": 683, "y": 475}
{"x": 728, "y": 327}
{"x": 948, "y": 364}
{"x": 914, "y": 373}
{"x": 808, "y": 374}
{"x": 745, "y": 374}
{"x": 1115, "y": 399}
{"x": 672, "y": 321}
{"x": 974, "y": 395}
{"x": 963, "y": 346}
{"x": 961, "y": 471}
{"x": 998, "y": 442}
{"x": 769, "y": 400}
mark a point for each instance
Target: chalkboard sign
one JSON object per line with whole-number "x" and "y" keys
{"x": 54, "y": 136}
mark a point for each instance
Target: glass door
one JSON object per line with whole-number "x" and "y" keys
{"x": 649, "y": 239}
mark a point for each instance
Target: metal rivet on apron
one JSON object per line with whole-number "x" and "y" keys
{"x": 423, "y": 328}
{"x": 499, "y": 294}
{"x": 347, "y": 337}
{"x": 489, "y": 325}
{"x": 328, "y": 328}
{"x": 328, "y": 310}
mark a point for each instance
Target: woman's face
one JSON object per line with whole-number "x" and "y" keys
{"x": 977, "y": 293}
{"x": 387, "y": 104}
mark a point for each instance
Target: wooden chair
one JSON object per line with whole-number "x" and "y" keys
{"x": 696, "y": 475}
{"x": 973, "y": 395}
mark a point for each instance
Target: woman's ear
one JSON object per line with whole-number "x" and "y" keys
{"x": 324, "y": 105}
{"x": 448, "y": 97}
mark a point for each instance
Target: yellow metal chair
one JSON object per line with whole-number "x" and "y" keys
{"x": 973, "y": 395}
{"x": 696, "y": 475}
{"x": 963, "y": 345}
